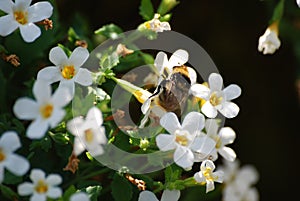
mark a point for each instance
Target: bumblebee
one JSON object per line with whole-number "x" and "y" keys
{"x": 173, "y": 91}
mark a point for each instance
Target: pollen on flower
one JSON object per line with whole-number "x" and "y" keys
{"x": 89, "y": 136}
{"x": 207, "y": 173}
{"x": 214, "y": 99}
{"x": 21, "y": 17}
{"x": 181, "y": 139}
{"x": 2, "y": 155}
{"x": 46, "y": 110}
{"x": 41, "y": 187}
{"x": 218, "y": 141}
{"x": 68, "y": 72}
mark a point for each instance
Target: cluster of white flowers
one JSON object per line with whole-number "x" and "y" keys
{"x": 47, "y": 111}
{"x": 198, "y": 138}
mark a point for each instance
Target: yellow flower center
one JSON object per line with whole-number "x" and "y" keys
{"x": 89, "y": 136}
{"x": 148, "y": 26}
{"x": 68, "y": 72}
{"x": 207, "y": 173}
{"x": 21, "y": 17}
{"x": 214, "y": 99}
{"x": 46, "y": 110}
{"x": 2, "y": 155}
{"x": 181, "y": 139}
{"x": 41, "y": 187}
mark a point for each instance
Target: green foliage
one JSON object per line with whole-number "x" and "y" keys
{"x": 109, "y": 31}
{"x": 8, "y": 192}
{"x": 121, "y": 188}
{"x": 146, "y": 9}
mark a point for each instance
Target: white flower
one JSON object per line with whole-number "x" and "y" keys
{"x": 298, "y": 3}
{"x": 206, "y": 175}
{"x": 81, "y": 196}
{"x": 216, "y": 98}
{"x": 47, "y": 111}
{"x": 183, "y": 138}
{"x": 67, "y": 70}
{"x": 156, "y": 25}
{"x": 22, "y": 15}
{"x": 90, "y": 133}
{"x": 224, "y": 137}
{"x": 42, "y": 187}
{"x": 18, "y": 165}
{"x": 167, "y": 195}
{"x": 239, "y": 182}
{"x": 269, "y": 42}
{"x": 164, "y": 68}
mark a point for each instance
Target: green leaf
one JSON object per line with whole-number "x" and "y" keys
{"x": 146, "y": 10}
{"x": 166, "y": 6}
{"x": 278, "y": 12}
{"x": 72, "y": 35}
{"x": 44, "y": 144}
{"x": 68, "y": 193}
{"x": 109, "y": 31}
{"x": 172, "y": 173}
{"x": 121, "y": 188}
{"x": 65, "y": 49}
{"x": 10, "y": 178}
{"x": 7, "y": 192}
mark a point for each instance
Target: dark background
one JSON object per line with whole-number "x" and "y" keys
{"x": 268, "y": 124}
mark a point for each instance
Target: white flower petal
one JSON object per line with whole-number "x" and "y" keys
{"x": 95, "y": 150}
{"x": 200, "y": 91}
{"x": 84, "y": 77}
{"x": 81, "y": 196}
{"x": 193, "y": 75}
{"x": 1, "y": 173}
{"x": 6, "y": 6}
{"x": 79, "y": 146}
{"x": 49, "y": 74}
{"x": 30, "y": 32}
{"x": 168, "y": 195}
{"x": 56, "y": 117}
{"x": 252, "y": 194}
{"x": 210, "y": 185}
{"x": 207, "y": 163}
{"x": 227, "y": 135}
{"x": 199, "y": 177}
{"x": 26, "y": 109}
{"x": 7, "y": 25}
{"x": 145, "y": 106}
{"x": 54, "y": 179}
{"x": 16, "y": 164}
{"x": 193, "y": 122}
{"x": 79, "y": 56}
{"x": 165, "y": 26}
{"x": 36, "y": 175}
{"x": 37, "y": 129}
{"x": 41, "y": 91}
{"x": 229, "y": 109}
{"x": 218, "y": 176}
{"x": 170, "y": 122}
{"x": 161, "y": 62}
{"x": 68, "y": 84}
{"x": 147, "y": 196}
{"x": 94, "y": 114}
{"x": 183, "y": 157}
{"x": 54, "y": 192}
{"x": 22, "y": 3}
{"x": 25, "y": 189}
{"x": 178, "y": 58}
{"x": 247, "y": 175}
{"x": 209, "y": 110}
{"x": 211, "y": 127}
{"x": 39, "y": 11}
{"x": 232, "y": 91}
{"x": 165, "y": 142}
{"x": 10, "y": 141}
{"x": 61, "y": 97}
{"x": 215, "y": 82}
{"x": 203, "y": 145}
{"x": 227, "y": 153}
{"x": 57, "y": 56}
{"x": 74, "y": 125}
{"x": 38, "y": 197}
